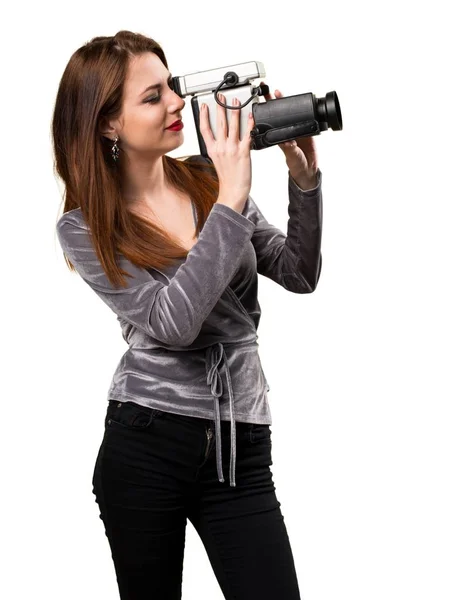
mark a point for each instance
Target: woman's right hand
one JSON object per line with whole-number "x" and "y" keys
{"x": 231, "y": 157}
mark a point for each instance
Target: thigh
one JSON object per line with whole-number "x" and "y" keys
{"x": 141, "y": 503}
{"x": 242, "y": 527}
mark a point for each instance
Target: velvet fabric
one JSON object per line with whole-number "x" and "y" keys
{"x": 191, "y": 330}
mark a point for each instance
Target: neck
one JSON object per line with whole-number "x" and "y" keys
{"x": 144, "y": 181}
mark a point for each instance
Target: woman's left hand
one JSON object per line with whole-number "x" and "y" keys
{"x": 301, "y": 156}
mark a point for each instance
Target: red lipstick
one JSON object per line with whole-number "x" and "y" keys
{"x": 176, "y": 126}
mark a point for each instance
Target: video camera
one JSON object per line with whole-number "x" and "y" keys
{"x": 275, "y": 122}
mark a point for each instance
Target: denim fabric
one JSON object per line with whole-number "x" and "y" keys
{"x": 155, "y": 471}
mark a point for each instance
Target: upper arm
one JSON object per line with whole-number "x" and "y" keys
{"x": 135, "y": 302}
{"x": 294, "y": 261}
{"x": 171, "y": 313}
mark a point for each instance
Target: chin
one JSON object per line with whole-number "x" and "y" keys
{"x": 178, "y": 141}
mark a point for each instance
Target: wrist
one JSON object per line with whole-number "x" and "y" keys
{"x": 305, "y": 182}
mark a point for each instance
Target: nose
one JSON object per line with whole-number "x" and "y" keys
{"x": 177, "y": 103}
{"x": 178, "y": 107}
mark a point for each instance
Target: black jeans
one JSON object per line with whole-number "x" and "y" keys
{"x": 155, "y": 470}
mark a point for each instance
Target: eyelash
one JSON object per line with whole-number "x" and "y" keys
{"x": 155, "y": 99}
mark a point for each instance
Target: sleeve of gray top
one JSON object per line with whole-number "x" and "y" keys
{"x": 294, "y": 261}
{"x": 171, "y": 313}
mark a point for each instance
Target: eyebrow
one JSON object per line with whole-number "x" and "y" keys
{"x": 156, "y": 86}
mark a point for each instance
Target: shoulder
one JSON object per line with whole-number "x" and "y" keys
{"x": 71, "y": 218}
{"x": 199, "y": 158}
{"x": 71, "y": 215}
{"x": 206, "y": 164}
{"x": 203, "y": 161}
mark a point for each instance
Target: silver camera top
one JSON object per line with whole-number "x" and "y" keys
{"x": 207, "y": 81}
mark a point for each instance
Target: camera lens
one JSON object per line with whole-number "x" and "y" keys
{"x": 328, "y": 111}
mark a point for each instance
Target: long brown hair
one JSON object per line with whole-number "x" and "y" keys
{"x": 91, "y": 88}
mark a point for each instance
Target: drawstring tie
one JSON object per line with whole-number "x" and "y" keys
{"x": 215, "y": 356}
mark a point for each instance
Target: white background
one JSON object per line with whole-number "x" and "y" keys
{"x": 362, "y": 371}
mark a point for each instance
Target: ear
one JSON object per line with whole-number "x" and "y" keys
{"x": 108, "y": 128}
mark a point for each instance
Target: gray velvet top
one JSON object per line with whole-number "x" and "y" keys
{"x": 192, "y": 329}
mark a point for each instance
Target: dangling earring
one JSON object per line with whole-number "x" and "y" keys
{"x": 115, "y": 149}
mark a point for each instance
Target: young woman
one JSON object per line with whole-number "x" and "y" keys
{"x": 174, "y": 248}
